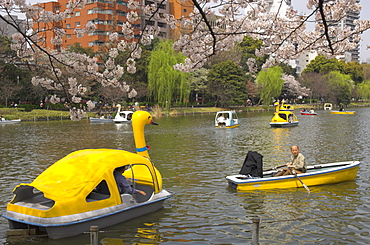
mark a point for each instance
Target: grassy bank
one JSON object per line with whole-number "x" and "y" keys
{"x": 34, "y": 115}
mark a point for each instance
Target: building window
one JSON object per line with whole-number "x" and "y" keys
{"x": 99, "y": 11}
{"x": 68, "y": 36}
{"x": 150, "y": 23}
{"x": 78, "y": 13}
{"x": 162, "y": 6}
{"x": 185, "y": 10}
{"x": 78, "y": 24}
{"x": 161, "y": 24}
{"x": 68, "y": 26}
{"x": 121, "y": 3}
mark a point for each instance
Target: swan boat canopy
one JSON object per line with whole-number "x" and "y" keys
{"x": 226, "y": 119}
{"x": 319, "y": 174}
{"x": 328, "y": 106}
{"x": 342, "y": 112}
{"x": 286, "y": 107}
{"x": 65, "y": 199}
{"x": 123, "y": 116}
{"x": 10, "y": 121}
{"x": 283, "y": 118}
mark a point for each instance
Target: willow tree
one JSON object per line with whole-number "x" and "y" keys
{"x": 270, "y": 84}
{"x": 340, "y": 87}
{"x": 165, "y": 84}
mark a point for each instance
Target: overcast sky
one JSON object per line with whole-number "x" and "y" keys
{"x": 300, "y": 5}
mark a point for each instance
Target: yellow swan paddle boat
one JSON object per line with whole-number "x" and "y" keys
{"x": 283, "y": 118}
{"x": 65, "y": 200}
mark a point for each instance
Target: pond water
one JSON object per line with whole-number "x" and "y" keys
{"x": 194, "y": 158}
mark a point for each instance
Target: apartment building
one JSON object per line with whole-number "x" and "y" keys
{"x": 108, "y": 16}
{"x": 180, "y": 9}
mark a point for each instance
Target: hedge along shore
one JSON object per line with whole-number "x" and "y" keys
{"x": 46, "y": 115}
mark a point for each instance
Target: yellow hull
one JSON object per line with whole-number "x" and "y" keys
{"x": 234, "y": 126}
{"x": 342, "y": 112}
{"x": 329, "y": 176}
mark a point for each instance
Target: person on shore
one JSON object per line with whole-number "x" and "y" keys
{"x": 297, "y": 163}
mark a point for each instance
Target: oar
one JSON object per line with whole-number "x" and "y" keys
{"x": 304, "y": 185}
{"x": 275, "y": 167}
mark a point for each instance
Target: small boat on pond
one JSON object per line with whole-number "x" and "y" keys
{"x": 320, "y": 174}
{"x": 67, "y": 198}
{"x": 342, "y": 112}
{"x": 226, "y": 119}
{"x": 308, "y": 113}
{"x": 328, "y": 106}
{"x": 123, "y": 116}
{"x": 15, "y": 121}
{"x": 100, "y": 120}
{"x": 283, "y": 118}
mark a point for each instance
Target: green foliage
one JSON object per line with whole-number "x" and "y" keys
{"x": 363, "y": 90}
{"x": 366, "y": 69}
{"x": 287, "y": 69}
{"x": 270, "y": 84}
{"x": 165, "y": 84}
{"x": 340, "y": 87}
{"x": 323, "y": 65}
{"x": 248, "y": 48}
{"x": 198, "y": 83}
{"x": 226, "y": 82}
{"x": 355, "y": 70}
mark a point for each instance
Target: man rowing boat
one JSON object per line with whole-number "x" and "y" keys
{"x": 297, "y": 163}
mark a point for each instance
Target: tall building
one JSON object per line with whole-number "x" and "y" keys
{"x": 108, "y": 16}
{"x": 354, "y": 54}
{"x": 8, "y": 30}
{"x": 180, "y": 9}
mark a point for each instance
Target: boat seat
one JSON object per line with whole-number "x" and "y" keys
{"x": 138, "y": 197}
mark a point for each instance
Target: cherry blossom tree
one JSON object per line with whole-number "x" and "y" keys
{"x": 201, "y": 37}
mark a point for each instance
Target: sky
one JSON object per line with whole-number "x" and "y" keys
{"x": 300, "y": 5}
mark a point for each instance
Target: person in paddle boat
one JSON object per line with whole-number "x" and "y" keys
{"x": 297, "y": 163}
{"x": 312, "y": 110}
{"x": 122, "y": 183}
{"x": 221, "y": 120}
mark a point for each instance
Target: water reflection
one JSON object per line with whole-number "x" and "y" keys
{"x": 194, "y": 158}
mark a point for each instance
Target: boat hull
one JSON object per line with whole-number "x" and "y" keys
{"x": 308, "y": 114}
{"x": 283, "y": 124}
{"x": 100, "y": 120}
{"x": 316, "y": 175}
{"x": 342, "y": 112}
{"x": 11, "y": 121}
{"x": 72, "y": 225}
